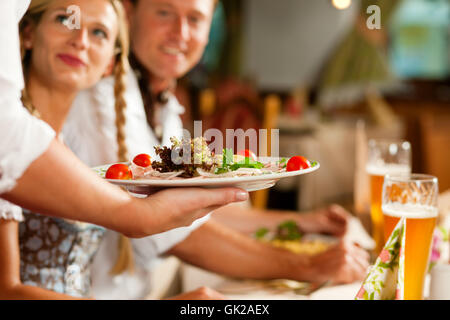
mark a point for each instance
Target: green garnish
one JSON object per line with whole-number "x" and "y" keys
{"x": 288, "y": 230}
{"x": 227, "y": 157}
{"x": 260, "y": 233}
{"x": 282, "y": 163}
{"x": 221, "y": 170}
{"x": 228, "y": 165}
{"x": 246, "y": 163}
{"x": 313, "y": 163}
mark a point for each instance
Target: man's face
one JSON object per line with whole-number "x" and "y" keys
{"x": 169, "y": 36}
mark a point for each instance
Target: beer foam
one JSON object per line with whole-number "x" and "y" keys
{"x": 388, "y": 168}
{"x": 409, "y": 210}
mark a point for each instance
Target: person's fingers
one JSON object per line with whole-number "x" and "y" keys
{"x": 333, "y": 228}
{"x": 356, "y": 251}
{"x": 360, "y": 253}
{"x": 224, "y": 196}
{"x": 181, "y": 206}
{"x": 340, "y": 218}
{"x": 343, "y": 269}
{"x": 339, "y": 213}
{"x": 358, "y": 261}
{"x": 359, "y": 267}
{"x": 333, "y": 255}
{"x": 347, "y": 262}
{"x": 198, "y": 198}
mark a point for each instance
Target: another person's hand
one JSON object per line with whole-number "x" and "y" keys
{"x": 332, "y": 220}
{"x": 202, "y": 293}
{"x": 179, "y": 207}
{"x": 343, "y": 263}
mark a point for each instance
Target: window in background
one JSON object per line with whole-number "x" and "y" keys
{"x": 419, "y": 39}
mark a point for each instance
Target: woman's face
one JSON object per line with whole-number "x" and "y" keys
{"x": 170, "y": 36}
{"x": 74, "y": 58}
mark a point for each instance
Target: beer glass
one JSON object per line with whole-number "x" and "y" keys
{"x": 415, "y": 197}
{"x": 384, "y": 157}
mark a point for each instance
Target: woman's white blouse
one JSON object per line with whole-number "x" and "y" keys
{"x": 90, "y": 131}
{"x": 23, "y": 138}
{"x": 9, "y": 211}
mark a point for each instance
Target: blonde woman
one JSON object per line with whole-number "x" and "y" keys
{"x": 57, "y": 64}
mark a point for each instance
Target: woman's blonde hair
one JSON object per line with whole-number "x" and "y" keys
{"x": 33, "y": 15}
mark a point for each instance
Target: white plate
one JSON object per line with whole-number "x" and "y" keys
{"x": 249, "y": 183}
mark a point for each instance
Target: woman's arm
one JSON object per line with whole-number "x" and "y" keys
{"x": 10, "y": 285}
{"x": 58, "y": 184}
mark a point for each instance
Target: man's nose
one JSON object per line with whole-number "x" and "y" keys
{"x": 181, "y": 28}
{"x": 80, "y": 38}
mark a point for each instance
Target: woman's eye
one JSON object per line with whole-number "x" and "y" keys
{"x": 63, "y": 19}
{"x": 100, "y": 33}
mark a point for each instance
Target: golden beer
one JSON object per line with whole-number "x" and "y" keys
{"x": 376, "y": 176}
{"x": 376, "y": 187}
{"x": 420, "y": 224}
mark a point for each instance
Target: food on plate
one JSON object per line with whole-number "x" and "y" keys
{"x": 141, "y": 165}
{"x": 142, "y": 160}
{"x": 248, "y": 154}
{"x": 192, "y": 158}
{"x": 186, "y": 156}
{"x": 119, "y": 171}
{"x": 288, "y": 236}
{"x": 310, "y": 247}
{"x": 297, "y": 163}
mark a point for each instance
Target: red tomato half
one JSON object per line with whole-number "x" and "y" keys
{"x": 119, "y": 171}
{"x": 297, "y": 163}
{"x": 142, "y": 160}
{"x": 248, "y": 153}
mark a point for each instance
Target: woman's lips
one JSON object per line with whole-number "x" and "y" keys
{"x": 71, "y": 60}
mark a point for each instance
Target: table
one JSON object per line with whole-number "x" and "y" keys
{"x": 193, "y": 278}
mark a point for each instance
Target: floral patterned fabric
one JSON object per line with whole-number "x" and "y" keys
{"x": 55, "y": 254}
{"x": 385, "y": 280}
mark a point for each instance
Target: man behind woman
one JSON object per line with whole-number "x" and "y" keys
{"x": 168, "y": 38}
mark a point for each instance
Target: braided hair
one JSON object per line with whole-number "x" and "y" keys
{"x": 125, "y": 259}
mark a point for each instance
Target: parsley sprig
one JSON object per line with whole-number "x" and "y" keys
{"x": 228, "y": 163}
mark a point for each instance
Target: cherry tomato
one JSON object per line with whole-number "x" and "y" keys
{"x": 119, "y": 171}
{"x": 142, "y": 160}
{"x": 248, "y": 153}
{"x": 297, "y": 163}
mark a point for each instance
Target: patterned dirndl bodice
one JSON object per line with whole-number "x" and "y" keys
{"x": 55, "y": 254}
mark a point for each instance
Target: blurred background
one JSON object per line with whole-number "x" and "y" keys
{"x": 329, "y": 74}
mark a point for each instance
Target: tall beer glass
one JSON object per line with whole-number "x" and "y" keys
{"x": 384, "y": 157}
{"x": 414, "y": 197}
